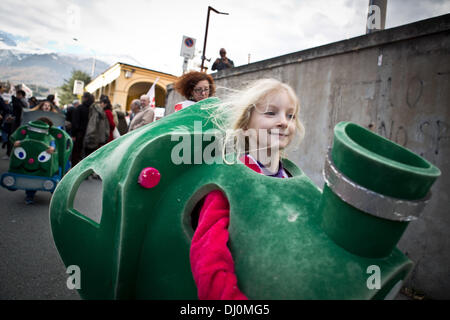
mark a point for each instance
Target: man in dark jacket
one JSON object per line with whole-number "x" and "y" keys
{"x": 17, "y": 108}
{"x": 223, "y": 62}
{"x": 4, "y": 109}
{"x": 69, "y": 115}
{"x": 16, "y": 117}
{"x": 4, "y": 114}
{"x": 80, "y": 119}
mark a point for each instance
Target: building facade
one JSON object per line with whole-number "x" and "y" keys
{"x": 123, "y": 82}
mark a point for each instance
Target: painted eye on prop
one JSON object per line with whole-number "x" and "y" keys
{"x": 44, "y": 156}
{"x": 20, "y": 153}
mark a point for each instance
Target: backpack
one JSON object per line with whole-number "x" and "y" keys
{"x": 97, "y": 130}
{"x": 122, "y": 126}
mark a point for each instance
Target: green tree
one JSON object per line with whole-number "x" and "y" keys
{"x": 66, "y": 90}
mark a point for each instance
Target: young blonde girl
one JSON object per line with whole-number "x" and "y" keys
{"x": 259, "y": 123}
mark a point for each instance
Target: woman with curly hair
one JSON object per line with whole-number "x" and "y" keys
{"x": 194, "y": 86}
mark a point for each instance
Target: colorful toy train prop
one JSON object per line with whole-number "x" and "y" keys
{"x": 288, "y": 238}
{"x": 31, "y": 167}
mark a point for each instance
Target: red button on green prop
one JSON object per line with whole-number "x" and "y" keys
{"x": 149, "y": 178}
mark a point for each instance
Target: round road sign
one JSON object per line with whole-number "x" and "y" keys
{"x": 189, "y": 42}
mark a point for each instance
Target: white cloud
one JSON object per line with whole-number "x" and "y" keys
{"x": 151, "y": 31}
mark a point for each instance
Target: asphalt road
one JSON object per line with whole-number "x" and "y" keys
{"x": 30, "y": 266}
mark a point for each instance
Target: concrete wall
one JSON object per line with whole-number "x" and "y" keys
{"x": 396, "y": 82}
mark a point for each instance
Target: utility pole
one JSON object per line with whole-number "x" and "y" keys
{"x": 206, "y": 34}
{"x": 93, "y": 60}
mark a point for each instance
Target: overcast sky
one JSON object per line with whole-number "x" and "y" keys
{"x": 149, "y": 32}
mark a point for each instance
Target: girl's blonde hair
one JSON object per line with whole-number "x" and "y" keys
{"x": 233, "y": 115}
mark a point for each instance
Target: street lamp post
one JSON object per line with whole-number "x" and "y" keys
{"x": 93, "y": 60}
{"x": 93, "y": 65}
{"x": 206, "y": 34}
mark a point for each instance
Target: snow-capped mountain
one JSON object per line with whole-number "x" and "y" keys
{"x": 40, "y": 67}
{"x": 21, "y": 61}
{"x": 46, "y": 69}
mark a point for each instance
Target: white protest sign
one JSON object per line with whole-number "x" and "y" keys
{"x": 78, "y": 87}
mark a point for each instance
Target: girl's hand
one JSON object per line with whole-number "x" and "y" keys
{"x": 17, "y": 144}
{"x": 50, "y": 150}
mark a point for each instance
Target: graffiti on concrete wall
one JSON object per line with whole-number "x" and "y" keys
{"x": 431, "y": 134}
{"x": 398, "y": 134}
{"x": 414, "y": 92}
{"x": 434, "y": 134}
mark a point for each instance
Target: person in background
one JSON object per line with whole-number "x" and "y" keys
{"x": 144, "y": 117}
{"x": 135, "y": 108}
{"x": 4, "y": 114}
{"x": 45, "y": 106}
{"x": 69, "y": 115}
{"x": 80, "y": 118}
{"x": 4, "y": 109}
{"x": 194, "y": 86}
{"x": 116, "y": 108}
{"x": 119, "y": 119}
{"x": 23, "y": 97}
{"x": 223, "y": 62}
{"x": 18, "y": 104}
{"x": 105, "y": 103}
{"x": 51, "y": 98}
{"x": 32, "y": 102}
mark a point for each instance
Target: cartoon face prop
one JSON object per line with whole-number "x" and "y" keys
{"x": 32, "y": 158}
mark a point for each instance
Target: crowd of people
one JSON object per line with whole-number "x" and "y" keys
{"x": 90, "y": 123}
{"x": 194, "y": 86}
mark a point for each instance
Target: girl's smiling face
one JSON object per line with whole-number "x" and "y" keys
{"x": 273, "y": 121}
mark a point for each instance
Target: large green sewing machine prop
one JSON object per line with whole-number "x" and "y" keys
{"x": 289, "y": 239}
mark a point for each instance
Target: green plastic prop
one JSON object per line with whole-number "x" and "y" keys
{"x": 31, "y": 166}
{"x": 289, "y": 240}
{"x": 35, "y": 138}
{"x": 31, "y": 157}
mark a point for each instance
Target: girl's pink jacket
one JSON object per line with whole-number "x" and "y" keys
{"x": 211, "y": 261}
